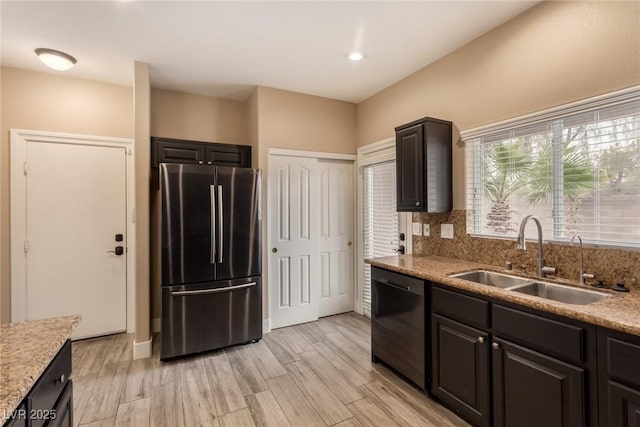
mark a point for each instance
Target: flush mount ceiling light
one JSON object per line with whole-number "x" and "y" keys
{"x": 355, "y": 56}
{"x": 55, "y": 59}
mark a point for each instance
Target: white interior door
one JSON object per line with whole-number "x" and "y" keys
{"x": 335, "y": 242}
{"x": 293, "y": 216}
{"x": 76, "y": 205}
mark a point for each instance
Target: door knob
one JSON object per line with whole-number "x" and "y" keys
{"x": 349, "y": 243}
{"x": 119, "y": 237}
{"x": 119, "y": 250}
{"x": 274, "y": 250}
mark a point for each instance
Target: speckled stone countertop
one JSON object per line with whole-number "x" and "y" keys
{"x": 26, "y": 349}
{"x": 620, "y": 312}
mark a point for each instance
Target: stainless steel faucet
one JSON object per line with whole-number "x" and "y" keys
{"x": 583, "y": 275}
{"x": 522, "y": 245}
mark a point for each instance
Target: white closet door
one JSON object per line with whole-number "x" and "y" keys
{"x": 76, "y": 205}
{"x": 293, "y": 230}
{"x": 336, "y": 237}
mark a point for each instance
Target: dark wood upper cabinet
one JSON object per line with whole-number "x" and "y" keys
{"x": 169, "y": 150}
{"x": 423, "y": 166}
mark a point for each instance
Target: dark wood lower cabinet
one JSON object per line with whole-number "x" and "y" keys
{"x": 623, "y": 405}
{"x": 460, "y": 369}
{"x": 619, "y": 378}
{"x": 49, "y": 403}
{"x": 64, "y": 408}
{"x": 533, "y": 390}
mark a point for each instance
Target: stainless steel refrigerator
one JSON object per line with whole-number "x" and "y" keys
{"x": 211, "y": 257}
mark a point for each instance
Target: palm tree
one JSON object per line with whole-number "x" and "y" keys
{"x": 578, "y": 176}
{"x": 506, "y": 167}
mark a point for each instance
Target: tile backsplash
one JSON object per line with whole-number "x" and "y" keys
{"x": 610, "y": 265}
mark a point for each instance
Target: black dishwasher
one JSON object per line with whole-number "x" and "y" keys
{"x": 398, "y": 324}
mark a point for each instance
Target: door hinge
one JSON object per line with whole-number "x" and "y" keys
{"x": 24, "y": 167}
{"x": 26, "y": 246}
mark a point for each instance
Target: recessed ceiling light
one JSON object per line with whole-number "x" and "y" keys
{"x": 55, "y": 59}
{"x": 355, "y": 56}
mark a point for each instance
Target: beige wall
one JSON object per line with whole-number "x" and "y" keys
{"x": 251, "y": 114}
{"x": 141, "y": 120}
{"x": 302, "y": 122}
{"x": 555, "y": 53}
{"x": 48, "y": 102}
{"x": 198, "y": 118}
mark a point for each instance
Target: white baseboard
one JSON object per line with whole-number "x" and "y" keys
{"x": 266, "y": 326}
{"x": 156, "y": 325}
{"x": 142, "y": 350}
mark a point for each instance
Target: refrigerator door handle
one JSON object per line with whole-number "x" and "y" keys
{"x": 220, "y": 224}
{"x": 212, "y": 199}
{"x": 214, "y": 291}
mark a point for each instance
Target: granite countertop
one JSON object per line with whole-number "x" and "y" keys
{"x": 620, "y": 312}
{"x": 26, "y": 349}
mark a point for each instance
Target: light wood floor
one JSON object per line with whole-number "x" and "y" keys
{"x": 316, "y": 374}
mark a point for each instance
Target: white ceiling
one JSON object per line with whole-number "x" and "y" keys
{"x": 224, "y": 49}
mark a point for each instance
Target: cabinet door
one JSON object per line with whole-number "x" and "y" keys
{"x": 63, "y": 411}
{"x": 619, "y": 378}
{"x": 238, "y": 156}
{"x": 460, "y": 368}
{"x": 410, "y": 170}
{"x": 176, "y": 151}
{"x": 532, "y": 390}
{"x": 623, "y": 405}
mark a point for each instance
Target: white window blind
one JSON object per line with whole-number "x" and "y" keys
{"x": 380, "y": 219}
{"x": 576, "y": 167}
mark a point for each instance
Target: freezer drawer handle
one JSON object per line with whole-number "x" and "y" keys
{"x": 214, "y": 291}
{"x": 220, "y": 223}
{"x": 212, "y": 199}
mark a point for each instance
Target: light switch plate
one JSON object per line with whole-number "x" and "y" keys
{"x": 446, "y": 231}
{"x": 426, "y": 230}
{"x": 417, "y": 228}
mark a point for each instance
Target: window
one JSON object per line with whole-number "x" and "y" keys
{"x": 380, "y": 219}
{"x": 576, "y": 167}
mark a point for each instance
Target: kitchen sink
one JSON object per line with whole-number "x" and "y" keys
{"x": 560, "y": 293}
{"x": 528, "y": 286}
{"x": 491, "y": 278}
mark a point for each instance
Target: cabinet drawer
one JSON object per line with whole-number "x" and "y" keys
{"x": 460, "y": 307}
{"x": 623, "y": 360}
{"x": 551, "y": 337}
{"x": 49, "y": 387}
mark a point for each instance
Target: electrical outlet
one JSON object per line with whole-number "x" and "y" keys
{"x": 417, "y": 229}
{"x": 426, "y": 230}
{"x": 446, "y": 231}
